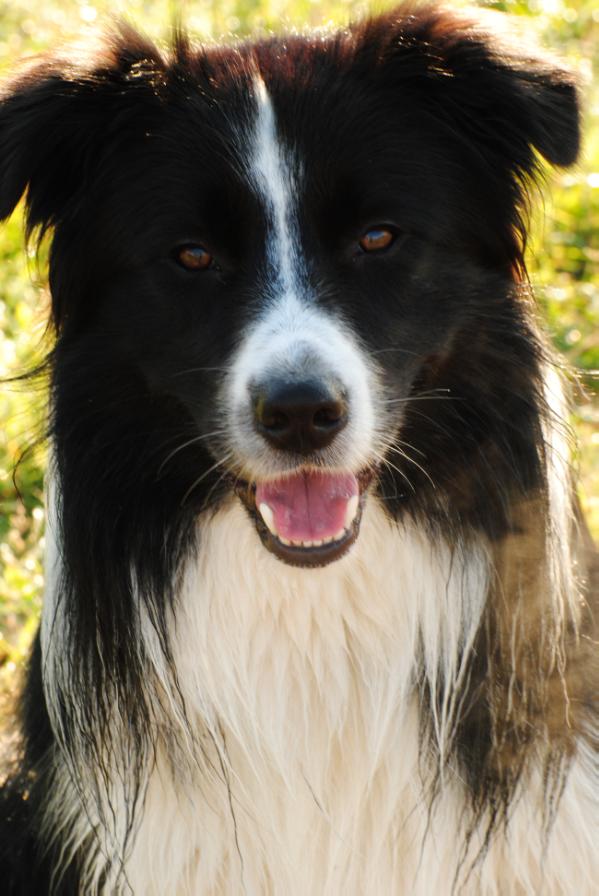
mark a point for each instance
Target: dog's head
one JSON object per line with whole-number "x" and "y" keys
{"x": 265, "y": 259}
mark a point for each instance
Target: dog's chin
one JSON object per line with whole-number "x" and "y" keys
{"x": 328, "y": 540}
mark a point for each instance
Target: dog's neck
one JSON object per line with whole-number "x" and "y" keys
{"x": 292, "y": 661}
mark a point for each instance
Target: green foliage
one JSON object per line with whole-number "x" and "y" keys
{"x": 564, "y": 255}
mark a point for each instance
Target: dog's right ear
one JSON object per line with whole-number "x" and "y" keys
{"x": 57, "y": 118}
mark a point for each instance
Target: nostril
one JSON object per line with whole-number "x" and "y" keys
{"x": 329, "y": 415}
{"x": 272, "y": 419}
{"x": 269, "y": 412}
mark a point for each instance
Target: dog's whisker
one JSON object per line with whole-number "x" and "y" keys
{"x": 403, "y": 351}
{"x": 193, "y": 441}
{"x": 424, "y": 397}
{"x": 391, "y": 466}
{"x": 408, "y": 446}
{"x": 189, "y": 370}
{"x": 397, "y": 450}
{"x": 206, "y": 473}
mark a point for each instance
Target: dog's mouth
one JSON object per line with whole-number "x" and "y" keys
{"x": 309, "y": 517}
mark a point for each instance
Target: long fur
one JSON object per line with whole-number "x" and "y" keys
{"x": 419, "y": 716}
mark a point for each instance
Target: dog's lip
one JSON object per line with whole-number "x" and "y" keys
{"x": 300, "y": 554}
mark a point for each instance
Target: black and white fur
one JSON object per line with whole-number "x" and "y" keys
{"x": 200, "y": 717}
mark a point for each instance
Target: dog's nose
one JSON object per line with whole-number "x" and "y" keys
{"x": 300, "y": 416}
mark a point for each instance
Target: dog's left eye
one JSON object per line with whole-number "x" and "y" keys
{"x": 193, "y": 258}
{"x": 377, "y": 239}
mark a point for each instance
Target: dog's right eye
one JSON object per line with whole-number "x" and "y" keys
{"x": 377, "y": 239}
{"x": 193, "y": 257}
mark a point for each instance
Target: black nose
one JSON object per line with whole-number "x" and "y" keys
{"x": 299, "y": 416}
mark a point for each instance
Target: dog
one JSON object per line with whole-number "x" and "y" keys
{"x": 321, "y": 607}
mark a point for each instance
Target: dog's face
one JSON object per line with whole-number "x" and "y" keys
{"x": 267, "y": 258}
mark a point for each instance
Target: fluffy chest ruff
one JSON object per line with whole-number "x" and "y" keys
{"x": 306, "y": 685}
{"x": 303, "y": 761}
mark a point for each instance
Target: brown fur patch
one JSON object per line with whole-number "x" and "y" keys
{"x": 535, "y": 677}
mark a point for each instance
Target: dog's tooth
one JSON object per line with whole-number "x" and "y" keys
{"x": 307, "y": 544}
{"x": 284, "y": 540}
{"x": 351, "y": 510}
{"x": 268, "y": 517}
{"x": 339, "y": 534}
{"x": 317, "y": 543}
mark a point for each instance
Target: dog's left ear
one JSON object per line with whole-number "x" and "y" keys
{"x": 507, "y": 100}
{"x": 545, "y": 105}
{"x": 512, "y": 94}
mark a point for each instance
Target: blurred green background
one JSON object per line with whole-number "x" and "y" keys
{"x": 563, "y": 256}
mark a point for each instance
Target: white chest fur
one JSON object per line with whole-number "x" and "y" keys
{"x": 306, "y": 680}
{"x": 309, "y": 777}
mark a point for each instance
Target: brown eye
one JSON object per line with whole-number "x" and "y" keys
{"x": 193, "y": 258}
{"x": 377, "y": 239}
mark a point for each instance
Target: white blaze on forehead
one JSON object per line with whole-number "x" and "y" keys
{"x": 291, "y": 336}
{"x": 274, "y": 178}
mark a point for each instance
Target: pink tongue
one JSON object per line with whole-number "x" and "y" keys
{"x": 308, "y": 506}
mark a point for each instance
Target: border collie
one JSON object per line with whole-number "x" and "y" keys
{"x": 319, "y": 604}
